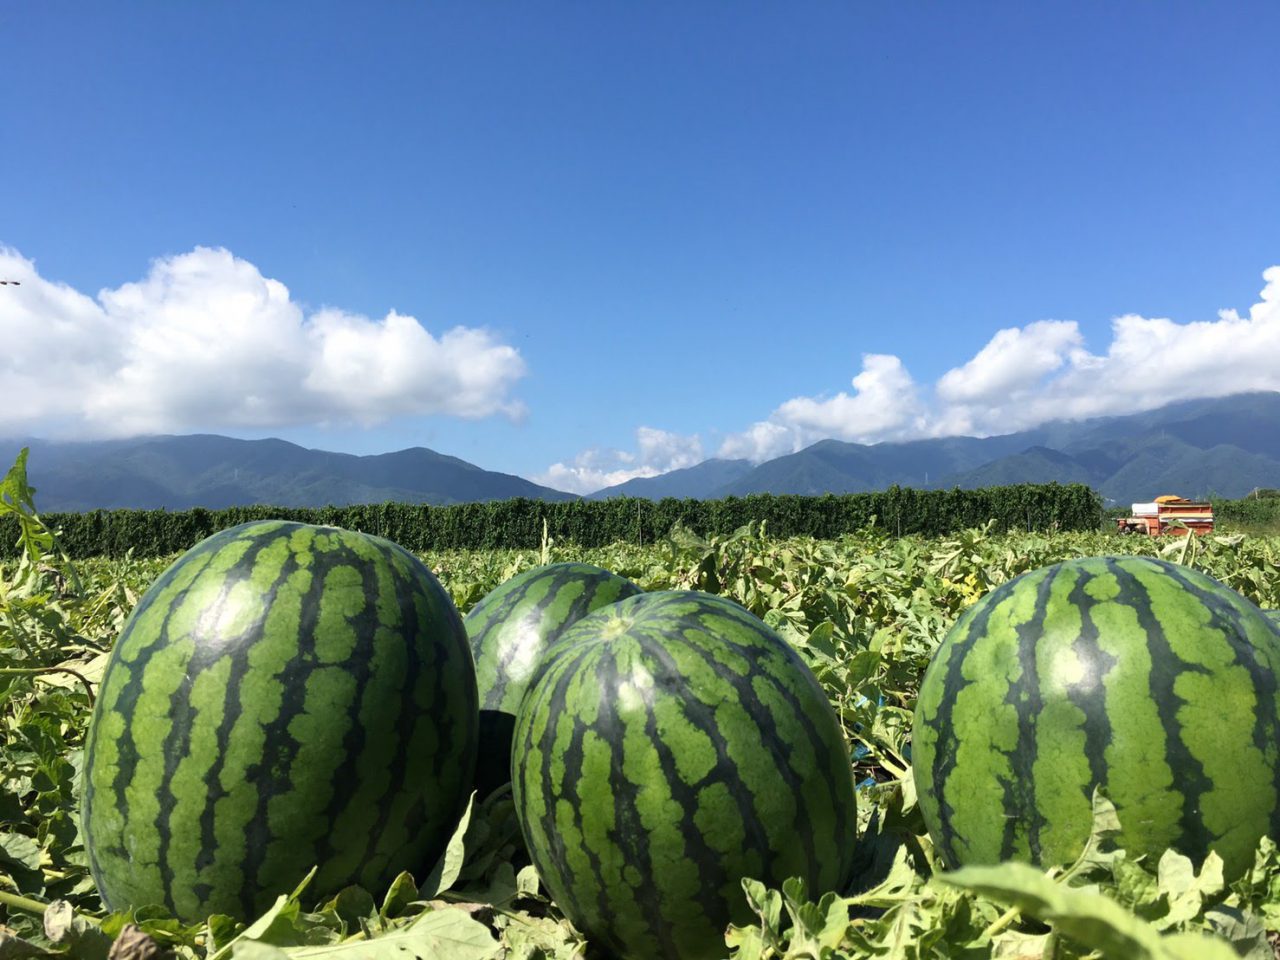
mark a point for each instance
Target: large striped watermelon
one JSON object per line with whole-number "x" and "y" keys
{"x": 509, "y": 630}
{"x": 1141, "y": 676}
{"x": 671, "y": 746}
{"x": 283, "y": 696}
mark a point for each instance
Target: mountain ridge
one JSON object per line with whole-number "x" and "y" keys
{"x": 1223, "y": 446}
{"x": 208, "y": 470}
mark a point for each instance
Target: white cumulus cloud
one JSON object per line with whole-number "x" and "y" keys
{"x": 1020, "y": 378}
{"x": 885, "y": 404}
{"x": 206, "y": 341}
{"x": 658, "y": 451}
{"x": 1149, "y": 362}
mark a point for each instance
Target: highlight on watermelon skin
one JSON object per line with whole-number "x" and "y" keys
{"x": 510, "y": 629}
{"x": 671, "y": 746}
{"x": 283, "y": 696}
{"x": 1139, "y": 676}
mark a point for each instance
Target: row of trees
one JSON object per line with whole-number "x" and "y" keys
{"x": 522, "y": 523}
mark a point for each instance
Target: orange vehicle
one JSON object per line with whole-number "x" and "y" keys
{"x": 1168, "y": 515}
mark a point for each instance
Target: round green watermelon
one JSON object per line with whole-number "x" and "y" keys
{"x": 1143, "y": 677}
{"x": 671, "y": 746}
{"x": 510, "y": 629}
{"x": 283, "y": 696}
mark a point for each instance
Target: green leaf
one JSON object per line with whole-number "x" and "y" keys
{"x": 1084, "y": 915}
{"x": 527, "y": 882}
{"x": 500, "y": 890}
{"x": 746, "y": 943}
{"x": 1185, "y": 891}
{"x": 19, "y": 851}
{"x": 15, "y": 492}
{"x": 15, "y": 948}
{"x": 1100, "y": 852}
{"x": 403, "y": 892}
{"x": 445, "y": 873}
{"x": 277, "y": 927}
{"x": 257, "y": 950}
{"x": 766, "y": 903}
{"x": 446, "y": 934}
{"x": 353, "y": 906}
{"x": 1244, "y": 931}
{"x": 1013, "y": 945}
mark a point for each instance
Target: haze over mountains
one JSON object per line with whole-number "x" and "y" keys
{"x": 1224, "y": 447}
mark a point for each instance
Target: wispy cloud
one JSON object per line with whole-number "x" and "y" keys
{"x": 204, "y": 341}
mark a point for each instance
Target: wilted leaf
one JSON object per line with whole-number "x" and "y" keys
{"x": 65, "y": 928}
{"x": 135, "y": 944}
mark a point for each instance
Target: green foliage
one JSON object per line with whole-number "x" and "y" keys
{"x": 865, "y": 609}
{"x": 1258, "y": 512}
{"x": 522, "y": 523}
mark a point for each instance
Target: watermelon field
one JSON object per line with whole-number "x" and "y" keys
{"x": 866, "y": 614}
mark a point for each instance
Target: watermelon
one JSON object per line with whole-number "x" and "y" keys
{"x": 282, "y": 696}
{"x": 671, "y": 746}
{"x": 1143, "y": 677}
{"x": 509, "y": 630}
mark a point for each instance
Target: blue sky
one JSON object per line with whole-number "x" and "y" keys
{"x": 580, "y": 242}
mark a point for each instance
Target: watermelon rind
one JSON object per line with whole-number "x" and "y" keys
{"x": 672, "y": 746}
{"x": 1144, "y": 678}
{"x": 510, "y": 629}
{"x": 284, "y": 696}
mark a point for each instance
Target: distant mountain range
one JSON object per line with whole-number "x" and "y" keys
{"x": 211, "y": 471}
{"x": 1224, "y": 447}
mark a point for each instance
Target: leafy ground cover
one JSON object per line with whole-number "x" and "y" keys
{"x": 866, "y": 612}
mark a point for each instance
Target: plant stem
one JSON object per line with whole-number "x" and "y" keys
{"x": 1000, "y": 923}
{"x": 36, "y": 671}
{"x": 25, "y": 904}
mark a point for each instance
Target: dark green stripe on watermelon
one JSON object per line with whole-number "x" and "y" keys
{"x": 283, "y": 696}
{"x": 1141, "y": 676}
{"x": 509, "y": 630}
{"x": 671, "y": 746}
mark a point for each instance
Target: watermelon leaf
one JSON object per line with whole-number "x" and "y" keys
{"x": 403, "y": 891}
{"x": 1186, "y": 892}
{"x": 527, "y": 883}
{"x": 354, "y": 906}
{"x": 446, "y": 934}
{"x": 445, "y": 873}
{"x": 82, "y": 937}
{"x": 1084, "y": 914}
{"x": 278, "y": 925}
{"x": 1100, "y": 851}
